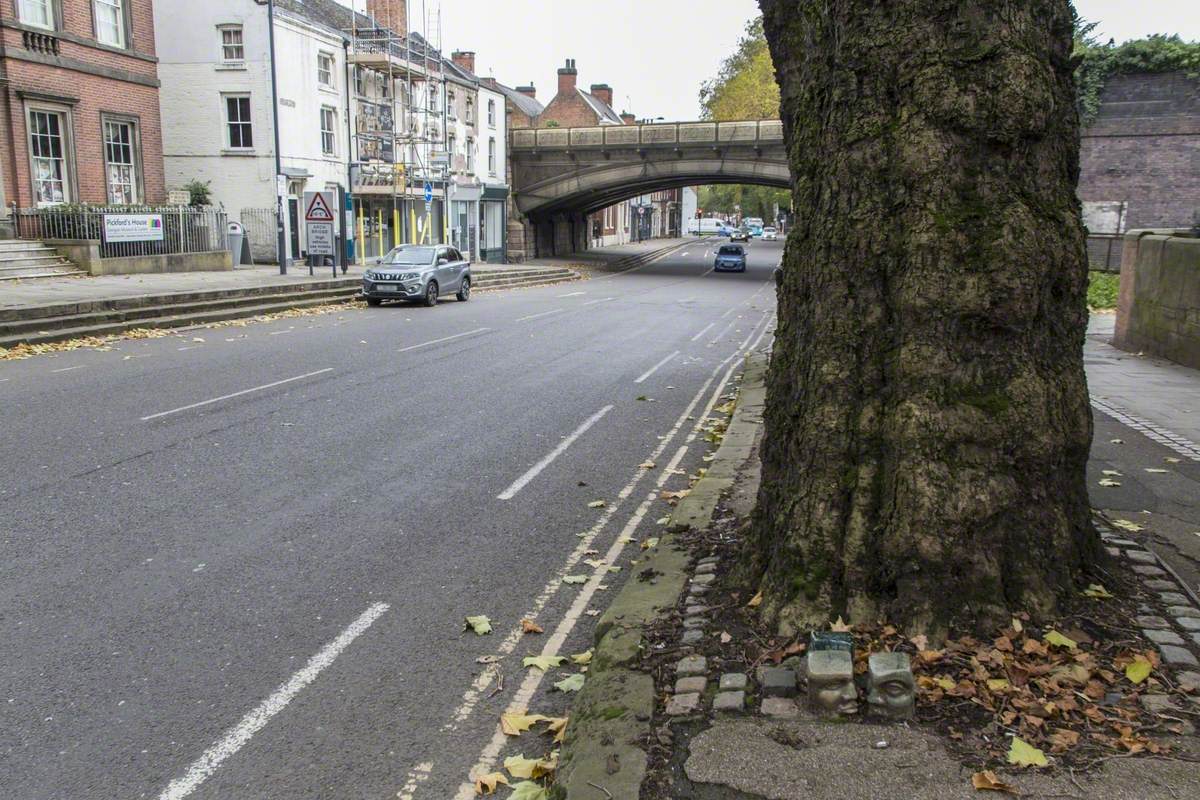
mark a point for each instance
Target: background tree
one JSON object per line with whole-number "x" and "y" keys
{"x": 745, "y": 88}
{"x": 927, "y": 420}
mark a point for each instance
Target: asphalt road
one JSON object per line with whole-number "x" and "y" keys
{"x": 236, "y": 561}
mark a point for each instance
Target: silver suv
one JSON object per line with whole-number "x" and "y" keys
{"x": 418, "y": 273}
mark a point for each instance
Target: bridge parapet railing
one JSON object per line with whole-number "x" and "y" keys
{"x": 669, "y": 133}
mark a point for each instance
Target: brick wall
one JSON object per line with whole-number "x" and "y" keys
{"x": 71, "y": 75}
{"x": 1144, "y": 149}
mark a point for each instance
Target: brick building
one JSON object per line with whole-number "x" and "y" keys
{"x": 1143, "y": 150}
{"x": 572, "y": 107}
{"x": 80, "y": 103}
{"x": 1140, "y": 160}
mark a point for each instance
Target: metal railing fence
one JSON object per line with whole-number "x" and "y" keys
{"x": 184, "y": 229}
{"x": 261, "y": 227}
{"x": 1104, "y": 251}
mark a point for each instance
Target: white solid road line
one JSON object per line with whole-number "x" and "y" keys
{"x": 68, "y": 369}
{"x": 252, "y": 723}
{"x": 543, "y": 314}
{"x": 602, "y": 300}
{"x": 706, "y": 330}
{"x": 237, "y": 394}
{"x": 443, "y": 339}
{"x": 656, "y": 367}
{"x": 534, "y": 678}
{"x": 572, "y": 294}
{"x": 521, "y": 482}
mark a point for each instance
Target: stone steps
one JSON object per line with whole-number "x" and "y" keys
{"x": 20, "y": 259}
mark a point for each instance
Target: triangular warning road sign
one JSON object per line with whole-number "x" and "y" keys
{"x": 318, "y": 210}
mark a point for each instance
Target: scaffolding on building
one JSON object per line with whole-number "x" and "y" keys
{"x": 399, "y": 171}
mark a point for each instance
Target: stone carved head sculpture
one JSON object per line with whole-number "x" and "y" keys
{"x": 891, "y": 691}
{"x": 831, "y": 689}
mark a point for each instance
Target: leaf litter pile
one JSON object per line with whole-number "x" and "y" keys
{"x": 1074, "y": 694}
{"x": 21, "y": 352}
{"x": 1072, "y": 691}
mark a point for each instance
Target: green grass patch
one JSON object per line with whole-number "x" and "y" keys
{"x": 1102, "y": 290}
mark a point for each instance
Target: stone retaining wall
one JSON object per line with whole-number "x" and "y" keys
{"x": 1158, "y": 310}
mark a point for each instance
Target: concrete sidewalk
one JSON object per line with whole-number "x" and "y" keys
{"x": 1154, "y": 389}
{"x": 21, "y": 294}
{"x": 1145, "y": 461}
{"x": 48, "y": 291}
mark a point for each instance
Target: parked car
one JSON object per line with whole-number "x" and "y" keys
{"x": 418, "y": 273}
{"x": 770, "y": 235}
{"x": 740, "y": 235}
{"x": 730, "y": 258}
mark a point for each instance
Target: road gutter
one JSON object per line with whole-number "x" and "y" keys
{"x": 613, "y": 713}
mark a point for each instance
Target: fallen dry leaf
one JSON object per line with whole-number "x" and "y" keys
{"x": 1023, "y": 754}
{"x": 570, "y": 684}
{"x": 987, "y": 781}
{"x": 481, "y": 625}
{"x": 516, "y": 724}
{"x": 486, "y": 784}
{"x": 543, "y": 663}
{"x": 1138, "y": 670}
{"x": 529, "y": 626}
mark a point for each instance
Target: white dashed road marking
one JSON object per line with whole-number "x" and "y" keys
{"x": 521, "y": 482}
{"x": 237, "y": 394}
{"x": 656, "y": 367}
{"x": 256, "y": 720}
{"x": 443, "y": 339}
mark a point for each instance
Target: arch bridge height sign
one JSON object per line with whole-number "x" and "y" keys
{"x": 320, "y": 222}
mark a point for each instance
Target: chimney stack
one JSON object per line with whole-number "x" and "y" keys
{"x": 627, "y": 118}
{"x": 528, "y": 91}
{"x": 602, "y": 92}
{"x": 464, "y": 59}
{"x": 567, "y": 76}
{"x": 389, "y": 14}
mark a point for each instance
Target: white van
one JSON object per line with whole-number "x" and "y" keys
{"x": 705, "y": 227}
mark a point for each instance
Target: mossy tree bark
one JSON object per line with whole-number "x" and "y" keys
{"x": 927, "y": 422}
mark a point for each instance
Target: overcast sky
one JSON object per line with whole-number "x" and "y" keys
{"x": 656, "y": 53}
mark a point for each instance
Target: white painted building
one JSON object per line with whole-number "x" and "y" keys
{"x": 217, "y": 124}
{"x": 214, "y": 67}
{"x": 476, "y": 142}
{"x": 689, "y": 203}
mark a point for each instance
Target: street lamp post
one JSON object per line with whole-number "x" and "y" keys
{"x": 280, "y": 238}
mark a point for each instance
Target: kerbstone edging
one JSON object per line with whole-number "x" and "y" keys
{"x": 614, "y": 710}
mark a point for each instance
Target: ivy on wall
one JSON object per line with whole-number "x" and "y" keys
{"x": 1098, "y": 62}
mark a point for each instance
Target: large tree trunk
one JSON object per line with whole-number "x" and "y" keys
{"x": 927, "y": 421}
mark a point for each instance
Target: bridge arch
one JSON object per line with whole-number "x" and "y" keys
{"x": 559, "y": 175}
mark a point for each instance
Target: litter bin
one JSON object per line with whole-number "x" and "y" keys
{"x": 237, "y": 243}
